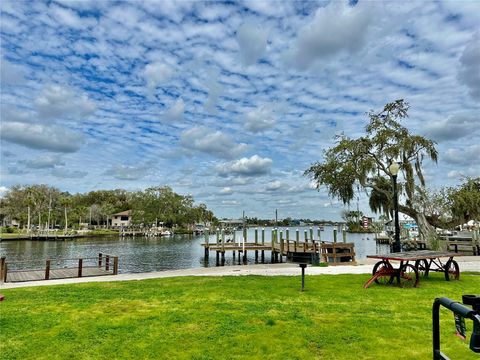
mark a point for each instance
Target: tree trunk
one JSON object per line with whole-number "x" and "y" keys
{"x": 425, "y": 230}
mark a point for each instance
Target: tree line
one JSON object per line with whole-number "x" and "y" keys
{"x": 42, "y": 206}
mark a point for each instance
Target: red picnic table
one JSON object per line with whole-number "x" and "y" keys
{"x": 412, "y": 265}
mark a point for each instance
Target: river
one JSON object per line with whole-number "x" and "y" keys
{"x": 142, "y": 254}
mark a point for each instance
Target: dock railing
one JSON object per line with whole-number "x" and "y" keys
{"x": 60, "y": 268}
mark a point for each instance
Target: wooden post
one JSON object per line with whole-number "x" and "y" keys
{"x": 311, "y": 233}
{"x": 344, "y": 235}
{"x": 115, "y": 265}
{"x": 263, "y": 236}
{"x": 207, "y": 237}
{"x": 100, "y": 260}
{"x": 319, "y": 233}
{"x": 287, "y": 234}
{"x": 256, "y": 236}
{"x": 281, "y": 247}
{"x": 107, "y": 262}
{"x": 218, "y": 236}
{"x": 334, "y": 235}
{"x": 2, "y": 267}
{"x": 297, "y": 235}
{"x": 305, "y": 235}
{"x": 47, "y": 270}
{"x": 80, "y": 266}
{"x": 273, "y": 240}
{"x": 5, "y": 271}
{"x": 223, "y": 242}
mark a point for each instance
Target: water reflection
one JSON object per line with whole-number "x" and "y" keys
{"x": 141, "y": 254}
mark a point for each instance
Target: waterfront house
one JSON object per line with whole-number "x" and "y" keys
{"x": 121, "y": 219}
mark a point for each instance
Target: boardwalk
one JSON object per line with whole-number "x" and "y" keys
{"x": 33, "y": 275}
{"x": 30, "y": 270}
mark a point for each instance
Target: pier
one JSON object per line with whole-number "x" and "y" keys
{"x": 16, "y": 271}
{"x": 282, "y": 248}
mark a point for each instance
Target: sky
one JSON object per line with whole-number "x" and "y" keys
{"x": 229, "y": 102}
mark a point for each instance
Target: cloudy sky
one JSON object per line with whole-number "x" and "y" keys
{"x": 229, "y": 102}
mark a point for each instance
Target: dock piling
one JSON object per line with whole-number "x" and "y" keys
{"x": 115, "y": 265}
{"x": 80, "y": 267}
{"x": 2, "y": 265}
{"x": 47, "y": 270}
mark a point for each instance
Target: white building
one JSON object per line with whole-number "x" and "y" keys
{"x": 121, "y": 219}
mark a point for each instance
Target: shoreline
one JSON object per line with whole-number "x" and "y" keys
{"x": 466, "y": 263}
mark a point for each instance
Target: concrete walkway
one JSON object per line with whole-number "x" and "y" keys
{"x": 466, "y": 263}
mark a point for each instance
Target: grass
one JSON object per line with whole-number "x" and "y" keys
{"x": 250, "y": 317}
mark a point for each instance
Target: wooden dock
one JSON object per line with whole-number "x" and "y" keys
{"x": 281, "y": 248}
{"x": 17, "y": 271}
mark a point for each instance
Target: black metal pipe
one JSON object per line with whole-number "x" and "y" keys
{"x": 460, "y": 310}
{"x": 397, "y": 246}
{"x": 303, "y": 266}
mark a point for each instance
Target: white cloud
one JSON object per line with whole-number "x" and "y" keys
{"x": 156, "y": 74}
{"x": 226, "y": 191}
{"x": 274, "y": 185}
{"x": 36, "y": 136}
{"x": 60, "y": 102}
{"x": 128, "y": 172}
{"x": 259, "y": 120}
{"x": 211, "y": 142}
{"x": 175, "y": 112}
{"x": 44, "y": 162}
{"x": 3, "y": 191}
{"x": 215, "y": 89}
{"x": 68, "y": 174}
{"x": 70, "y": 18}
{"x": 467, "y": 155}
{"x": 252, "y": 41}
{"x": 454, "y": 127}
{"x": 253, "y": 166}
{"x": 469, "y": 72}
{"x": 11, "y": 73}
{"x": 336, "y": 28}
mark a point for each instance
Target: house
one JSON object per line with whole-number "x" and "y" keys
{"x": 121, "y": 219}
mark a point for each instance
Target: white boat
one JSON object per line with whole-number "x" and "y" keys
{"x": 166, "y": 233}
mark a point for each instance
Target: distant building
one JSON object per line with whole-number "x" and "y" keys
{"x": 232, "y": 223}
{"x": 121, "y": 219}
{"x": 367, "y": 222}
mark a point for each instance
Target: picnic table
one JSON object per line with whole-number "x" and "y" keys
{"x": 413, "y": 264}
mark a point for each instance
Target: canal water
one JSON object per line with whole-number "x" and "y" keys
{"x": 142, "y": 254}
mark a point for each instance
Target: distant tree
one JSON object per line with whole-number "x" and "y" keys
{"x": 362, "y": 164}
{"x": 465, "y": 201}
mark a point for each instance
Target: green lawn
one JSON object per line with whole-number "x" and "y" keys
{"x": 230, "y": 318}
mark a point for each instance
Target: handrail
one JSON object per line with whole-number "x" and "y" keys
{"x": 58, "y": 259}
{"x": 103, "y": 261}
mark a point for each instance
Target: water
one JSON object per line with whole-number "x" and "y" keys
{"x": 141, "y": 254}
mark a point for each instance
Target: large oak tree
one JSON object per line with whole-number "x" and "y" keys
{"x": 362, "y": 164}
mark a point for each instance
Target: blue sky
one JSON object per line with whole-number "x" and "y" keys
{"x": 229, "y": 102}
